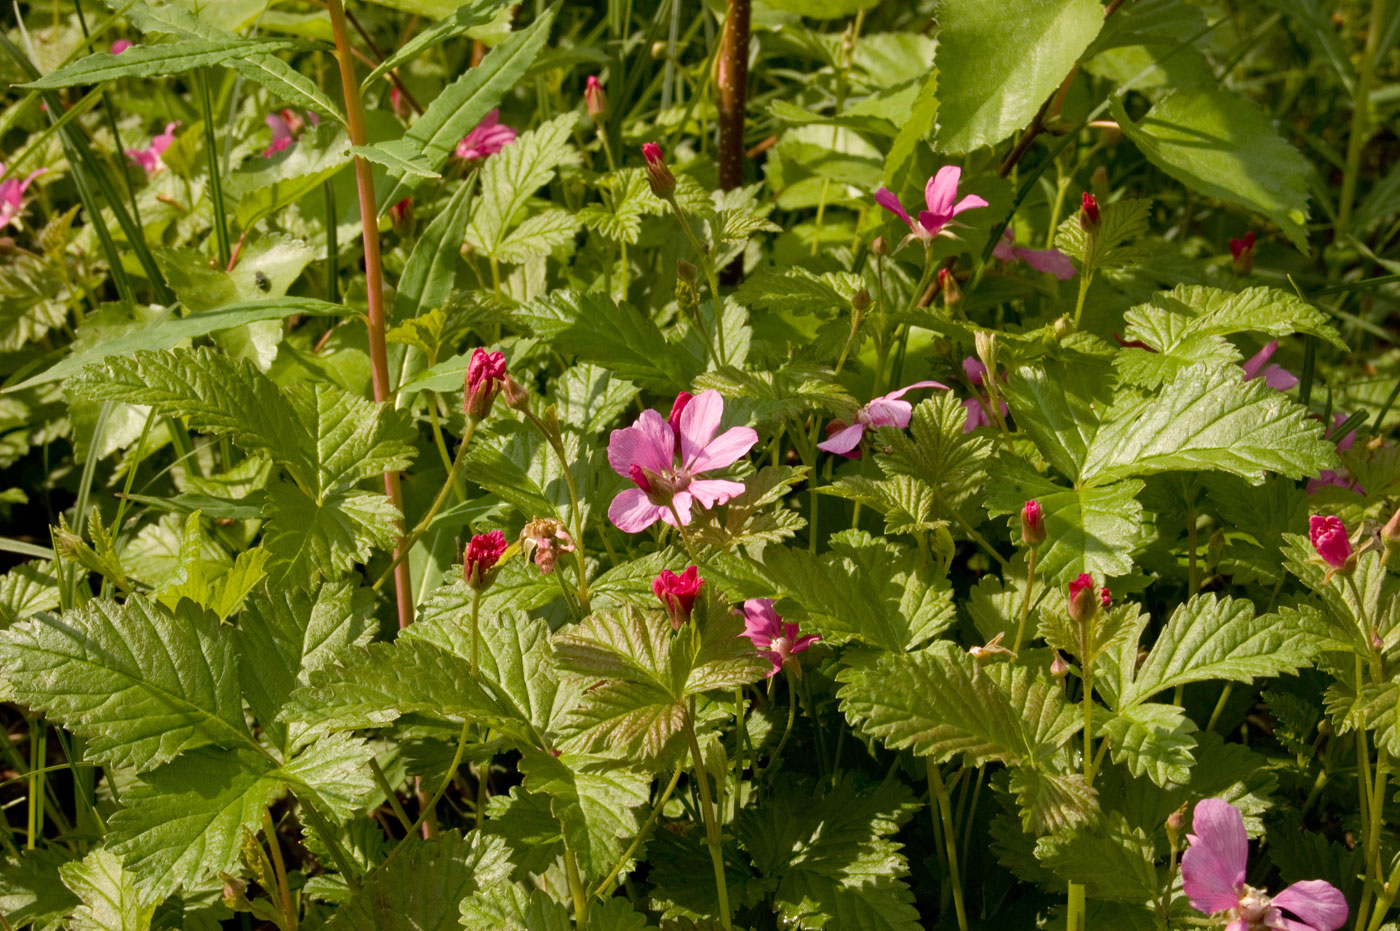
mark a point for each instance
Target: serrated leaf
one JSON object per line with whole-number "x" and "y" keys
{"x": 1210, "y": 418}
{"x": 31, "y": 892}
{"x": 310, "y": 540}
{"x": 514, "y": 174}
{"x": 1058, "y": 405}
{"x": 1112, "y": 860}
{"x": 631, "y": 199}
{"x": 397, "y": 155}
{"x": 510, "y": 907}
{"x": 27, "y": 589}
{"x": 1153, "y": 739}
{"x": 1053, "y": 802}
{"x": 154, "y": 60}
{"x": 110, "y": 900}
{"x": 590, "y": 399}
{"x": 907, "y": 504}
{"x": 140, "y": 683}
{"x": 462, "y": 19}
{"x": 1117, "y": 241}
{"x": 598, "y": 802}
{"x": 936, "y": 450}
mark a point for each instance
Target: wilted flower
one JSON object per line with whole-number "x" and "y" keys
{"x": 940, "y": 194}
{"x": 992, "y": 649}
{"x": 149, "y": 158}
{"x": 121, "y": 45}
{"x": 594, "y": 99}
{"x": 776, "y": 640}
{"x": 1242, "y": 253}
{"x": 479, "y": 561}
{"x": 1051, "y": 261}
{"x": 1329, "y": 540}
{"x": 678, "y": 593}
{"x": 664, "y": 462}
{"x": 658, "y": 172}
{"x": 485, "y": 372}
{"x": 1213, "y": 874}
{"x": 544, "y": 538}
{"x": 486, "y": 138}
{"x": 1032, "y": 523}
{"x": 1089, "y": 218}
{"x": 1275, "y": 376}
{"x": 885, "y": 411}
{"x": 12, "y": 196}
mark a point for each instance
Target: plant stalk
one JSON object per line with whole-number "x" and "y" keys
{"x": 712, "y": 835}
{"x": 944, "y": 811}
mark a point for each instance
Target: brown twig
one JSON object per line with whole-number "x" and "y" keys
{"x": 732, "y": 80}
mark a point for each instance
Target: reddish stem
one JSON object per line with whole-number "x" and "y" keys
{"x": 374, "y": 282}
{"x": 732, "y": 80}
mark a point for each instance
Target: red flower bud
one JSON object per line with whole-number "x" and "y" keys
{"x": 678, "y": 593}
{"x": 1329, "y": 539}
{"x": 479, "y": 561}
{"x": 401, "y": 216}
{"x": 1032, "y": 524}
{"x": 485, "y": 372}
{"x": 658, "y": 173}
{"x": 1242, "y": 253}
{"x": 595, "y": 100}
{"x": 1089, "y": 216}
{"x": 1082, "y": 603}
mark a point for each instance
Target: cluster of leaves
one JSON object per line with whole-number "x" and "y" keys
{"x": 247, "y": 681}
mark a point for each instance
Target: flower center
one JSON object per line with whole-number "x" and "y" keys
{"x": 781, "y": 646}
{"x": 1254, "y": 906}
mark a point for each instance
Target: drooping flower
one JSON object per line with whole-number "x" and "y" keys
{"x": 776, "y": 640}
{"x": 1330, "y": 541}
{"x": 659, "y": 176}
{"x": 480, "y": 558}
{"x": 121, "y": 45}
{"x": 940, "y": 196}
{"x": 1213, "y": 874}
{"x": 486, "y": 138}
{"x": 149, "y": 158}
{"x": 1089, "y": 216}
{"x": 543, "y": 539}
{"x": 12, "y": 197}
{"x": 678, "y": 593}
{"x": 1242, "y": 253}
{"x": 666, "y": 471}
{"x": 1032, "y": 523}
{"x": 485, "y": 372}
{"x": 885, "y": 411}
{"x": 1051, "y": 261}
{"x": 595, "y": 100}
{"x": 1275, "y": 376}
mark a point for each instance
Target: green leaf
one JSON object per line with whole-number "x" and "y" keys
{"x": 1058, "y": 405}
{"x": 31, "y": 892}
{"x": 397, "y": 155}
{"x": 631, "y": 199}
{"x": 430, "y": 272}
{"x": 1153, "y": 739}
{"x": 140, "y": 683}
{"x": 509, "y": 907}
{"x": 1053, "y": 802}
{"x": 902, "y": 160}
{"x": 27, "y": 589}
{"x": 265, "y": 185}
{"x": 598, "y": 802}
{"x": 310, "y": 540}
{"x": 1117, "y": 241}
{"x": 1211, "y": 637}
{"x": 162, "y": 59}
{"x": 996, "y": 70}
{"x": 1222, "y": 145}
{"x": 1112, "y": 860}
{"x": 466, "y": 101}
{"x": 907, "y": 504}
{"x": 425, "y": 886}
{"x": 936, "y": 450}
{"x": 590, "y": 399}
{"x": 463, "y": 18}
{"x": 110, "y": 900}
{"x": 511, "y": 177}
{"x": 333, "y": 774}
{"x": 1210, "y": 418}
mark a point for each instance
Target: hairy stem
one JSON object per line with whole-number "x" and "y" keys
{"x": 1026, "y": 601}
{"x": 944, "y": 810}
{"x": 605, "y": 888}
{"x": 707, "y": 810}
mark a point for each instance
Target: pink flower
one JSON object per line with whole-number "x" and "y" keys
{"x": 885, "y": 411}
{"x": 1275, "y": 376}
{"x": 1082, "y": 601}
{"x": 486, "y": 138}
{"x": 12, "y": 197}
{"x": 776, "y": 641}
{"x": 975, "y": 370}
{"x": 1051, "y": 261}
{"x": 939, "y": 194}
{"x": 1329, "y": 539}
{"x": 544, "y": 538}
{"x": 1338, "y": 477}
{"x": 666, "y": 479}
{"x": 1213, "y": 871}
{"x": 286, "y": 126}
{"x": 678, "y": 593}
{"x": 479, "y": 561}
{"x": 977, "y": 414}
{"x": 485, "y": 372}
{"x": 397, "y": 103}
{"x": 121, "y": 45}
{"x": 149, "y": 158}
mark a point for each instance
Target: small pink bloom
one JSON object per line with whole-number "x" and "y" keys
{"x": 486, "y": 138}
{"x": 1213, "y": 874}
{"x": 1329, "y": 539}
{"x": 543, "y": 539}
{"x": 121, "y": 45}
{"x": 1341, "y": 478}
{"x": 885, "y": 411}
{"x": 940, "y": 194}
{"x": 667, "y": 480}
{"x": 974, "y": 369}
{"x": 479, "y": 561}
{"x": 12, "y": 197}
{"x": 485, "y": 372}
{"x": 149, "y": 158}
{"x": 282, "y": 135}
{"x": 678, "y": 593}
{"x": 1082, "y": 602}
{"x": 594, "y": 99}
{"x": 776, "y": 641}
{"x": 1275, "y": 376}
{"x": 1051, "y": 261}
{"x": 977, "y": 414}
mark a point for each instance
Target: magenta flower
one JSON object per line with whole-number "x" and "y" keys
{"x": 1329, "y": 539}
{"x": 885, "y": 411}
{"x": 1338, "y": 477}
{"x": 149, "y": 158}
{"x": 976, "y": 407}
{"x": 485, "y": 372}
{"x": 1213, "y": 871}
{"x": 1051, "y": 261}
{"x": 678, "y": 593}
{"x": 121, "y": 45}
{"x": 12, "y": 197}
{"x": 486, "y": 138}
{"x": 664, "y": 462}
{"x": 659, "y": 176}
{"x": 776, "y": 640}
{"x": 1032, "y": 523}
{"x": 1275, "y": 376}
{"x": 479, "y": 559}
{"x": 940, "y": 195}
{"x": 286, "y": 126}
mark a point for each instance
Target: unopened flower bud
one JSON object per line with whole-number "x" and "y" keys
{"x": 1058, "y": 667}
{"x": 677, "y": 593}
{"x": 1062, "y": 327}
{"x": 516, "y": 396}
{"x": 659, "y": 176}
{"x": 1032, "y": 524}
{"x": 1089, "y": 219}
{"x": 481, "y": 558}
{"x": 1390, "y": 533}
{"x": 1176, "y": 821}
{"x": 1242, "y": 253}
{"x": 860, "y": 301}
{"x": 879, "y": 247}
{"x": 484, "y": 374}
{"x": 948, "y": 284}
{"x": 595, "y": 99}
{"x": 1083, "y": 600}
{"x": 401, "y": 217}
{"x": 1331, "y": 543}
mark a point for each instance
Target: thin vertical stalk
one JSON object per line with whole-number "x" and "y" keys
{"x": 374, "y": 285}
{"x": 1360, "y": 118}
{"x": 943, "y": 809}
{"x": 332, "y": 244}
{"x": 707, "y": 810}
{"x": 732, "y": 81}
{"x": 1026, "y": 602}
{"x": 280, "y": 867}
{"x": 111, "y": 115}
{"x": 216, "y": 183}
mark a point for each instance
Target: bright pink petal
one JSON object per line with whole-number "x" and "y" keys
{"x": 1279, "y": 378}
{"x": 970, "y": 202}
{"x": 631, "y": 511}
{"x": 974, "y": 369}
{"x": 883, "y": 412}
{"x": 930, "y": 224}
{"x": 680, "y": 502}
{"x": 1345, "y": 443}
{"x": 976, "y": 415}
{"x": 1259, "y": 360}
{"x": 280, "y": 129}
{"x": 647, "y": 443}
{"x": 896, "y": 395}
{"x": 843, "y": 441}
{"x": 802, "y": 643}
{"x": 1316, "y": 902}
{"x": 773, "y": 658}
{"x": 1239, "y": 924}
{"x": 1003, "y": 249}
{"x": 1213, "y": 867}
{"x": 761, "y": 622}
{"x": 1050, "y": 261}
{"x": 712, "y": 491}
{"x": 699, "y": 422}
{"x": 941, "y": 191}
{"x": 724, "y": 450}
{"x": 885, "y": 198}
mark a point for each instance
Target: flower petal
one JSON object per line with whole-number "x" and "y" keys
{"x": 896, "y": 395}
{"x": 970, "y": 202}
{"x": 681, "y": 502}
{"x": 648, "y": 443}
{"x": 699, "y": 420}
{"x": 712, "y": 491}
{"x": 724, "y": 450}
{"x": 976, "y": 415}
{"x": 886, "y": 198}
{"x": 1259, "y": 360}
{"x": 941, "y": 190}
{"x": 1213, "y": 867}
{"x": 883, "y": 412}
{"x": 761, "y": 622}
{"x": 1051, "y": 261}
{"x": 843, "y": 441}
{"x": 1316, "y": 902}
{"x": 631, "y": 511}
{"x": 1003, "y": 249}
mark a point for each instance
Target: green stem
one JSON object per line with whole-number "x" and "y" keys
{"x": 787, "y": 730}
{"x": 1087, "y": 669}
{"x": 1219, "y": 706}
{"x": 476, "y": 632}
{"x": 1074, "y": 918}
{"x": 1360, "y": 119}
{"x": 1084, "y": 280}
{"x": 437, "y": 796}
{"x": 605, "y": 888}
{"x": 1026, "y": 601}
{"x": 576, "y": 888}
{"x": 216, "y": 182}
{"x": 332, "y": 244}
{"x": 707, "y": 808}
{"x": 707, "y": 262}
{"x": 406, "y": 546}
{"x": 390, "y": 795}
{"x": 944, "y": 811}
{"x": 280, "y": 869}
{"x": 327, "y": 834}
